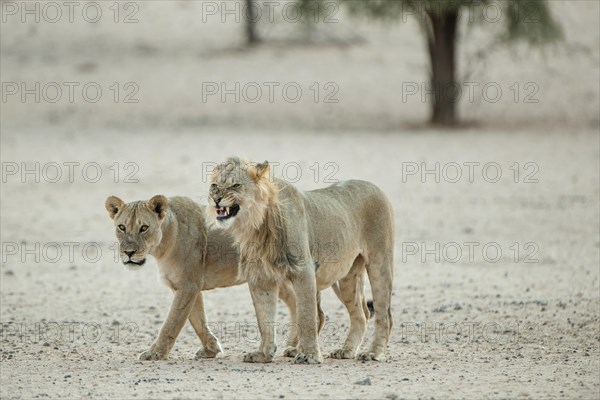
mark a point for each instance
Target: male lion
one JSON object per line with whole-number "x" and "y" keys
{"x": 191, "y": 258}
{"x": 281, "y": 233}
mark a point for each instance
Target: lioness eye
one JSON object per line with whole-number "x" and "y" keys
{"x": 213, "y": 186}
{"x": 143, "y": 228}
{"x": 236, "y": 186}
{"x": 122, "y": 227}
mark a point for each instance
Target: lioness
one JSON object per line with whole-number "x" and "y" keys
{"x": 280, "y": 231}
{"x": 191, "y": 258}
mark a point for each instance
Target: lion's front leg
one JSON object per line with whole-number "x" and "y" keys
{"x": 264, "y": 297}
{"x": 286, "y": 293}
{"x": 178, "y": 314}
{"x": 305, "y": 287}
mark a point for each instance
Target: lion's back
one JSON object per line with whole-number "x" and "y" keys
{"x": 351, "y": 213}
{"x": 358, "y": 199}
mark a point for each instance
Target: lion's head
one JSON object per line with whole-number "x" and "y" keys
{"x": 239, "y": 194}
{"x": 138, "y": 227}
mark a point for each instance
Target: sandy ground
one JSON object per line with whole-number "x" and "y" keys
{"x": 469, "y": 322}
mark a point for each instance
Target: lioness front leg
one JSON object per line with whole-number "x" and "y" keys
{"x": 178, "y": 314}
{"x": 264, "y": 297}
{"x": 210, "y": 344}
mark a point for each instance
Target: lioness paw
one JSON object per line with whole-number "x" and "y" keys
{"x": 342, "y": 354}
{"x": 208, "y": 353}
{"x": 307, "y": 358}
{"x": 153, "y": 355}
{"x": 258, "y": 357}
{"x": 370, "y": 356}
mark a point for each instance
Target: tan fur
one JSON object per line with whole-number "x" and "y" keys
{"x": 191, "y": 258}
{"x": 347, "y": 229}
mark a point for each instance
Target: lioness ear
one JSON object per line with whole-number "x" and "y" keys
{"x": 113, "y": 205}
{"x": 158, "y": 204}
{"x": 262, "y": 170}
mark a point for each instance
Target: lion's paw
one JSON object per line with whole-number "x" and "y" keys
{"x": 308, "y": 358}
{"x": 342, "y": 354}
{"x": 290, "y": 351}
{"x": 258, "y": 357}
{"x": 153, "y": 355}
{"x": 371, "y": 356}
{"x": 208, "y": 353}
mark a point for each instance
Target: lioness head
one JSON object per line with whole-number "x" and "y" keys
{"x": 138, "y": 227}
{"x": 239, "y": 193}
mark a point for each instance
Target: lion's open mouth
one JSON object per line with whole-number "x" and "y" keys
{"x": 227, "y": 212}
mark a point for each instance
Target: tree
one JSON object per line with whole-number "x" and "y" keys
{"x": 527, "y": 20}
{"x": 252, "y": 17}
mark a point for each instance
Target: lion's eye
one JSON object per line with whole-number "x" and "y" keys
{"x": 121, "y": 228}
{"x": 213, "y": 186}
{"x": 143, "y": 228}
{"x": 236, "y": 186}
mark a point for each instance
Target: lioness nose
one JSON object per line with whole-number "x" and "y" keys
{"x": 129, "y": 253}
{"x": 217, "y": 200}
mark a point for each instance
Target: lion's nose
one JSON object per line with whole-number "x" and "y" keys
{"x": 217, "y": 200}
{"x": 129, "y": 253}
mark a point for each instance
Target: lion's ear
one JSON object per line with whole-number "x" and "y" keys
{"x": 158, "y": 204}
{"x": 217, "y": 170}
{"x": 262, "y": 170}
{"x": 113, "y": 205}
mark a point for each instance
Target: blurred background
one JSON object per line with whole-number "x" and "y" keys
{"x": 479, "y": 119}
{"x": 380, "y": 68}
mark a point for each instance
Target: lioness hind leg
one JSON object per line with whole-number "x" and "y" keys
{"x": 352, "y": 294}
{"x": 380, "y": 271}
{"x": 210, "y": 344}
{"x": 287, "y": 295}
{"x": 320, "y": 314}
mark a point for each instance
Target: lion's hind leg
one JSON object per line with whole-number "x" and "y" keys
{"x": 351, "y": 291}
{"x": 380, "y": 271}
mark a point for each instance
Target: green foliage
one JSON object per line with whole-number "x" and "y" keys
{"x": 528, "y": 20}
{"x": 384, "y": 9}
{"x": 531, "y": 21}
{"x": 312, "y": 8}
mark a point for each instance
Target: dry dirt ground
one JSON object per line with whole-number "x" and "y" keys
{"x": 496, "y": 286}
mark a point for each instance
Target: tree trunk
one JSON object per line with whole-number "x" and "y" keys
{"x": 251, "y": 16}
{"x": 442, "y": 39}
